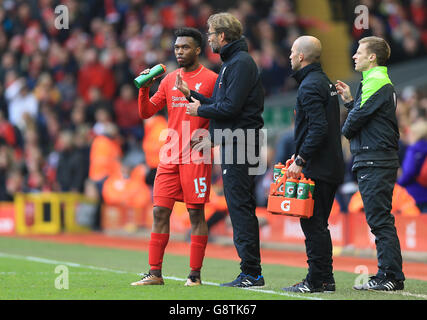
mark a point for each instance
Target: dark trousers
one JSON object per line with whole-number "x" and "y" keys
{"x": 239, "y": 191}
{"x": 318, "y": 242}
{"x": 376, "y": 188}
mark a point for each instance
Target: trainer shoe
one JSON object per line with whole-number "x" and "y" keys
{"x": 193, "y": 281}
{"x": 329, "y": 287}
{"x": 148, "y": 279}
{"x": 304, "y": 287}
{"x": 245, "y": 281}
{"x": 388, "y": 285}
{"x": 373, "y": 281}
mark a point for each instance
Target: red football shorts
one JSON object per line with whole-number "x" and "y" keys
{"x": 189, "y": 183}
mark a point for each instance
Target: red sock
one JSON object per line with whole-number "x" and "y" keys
{"x": 156, "y": 249}
{"x": 197, "y": 251}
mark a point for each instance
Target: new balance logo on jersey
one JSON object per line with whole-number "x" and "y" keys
{"x": 201, "y": 195}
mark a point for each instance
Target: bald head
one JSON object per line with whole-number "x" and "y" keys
{"x": 305, "y": 50}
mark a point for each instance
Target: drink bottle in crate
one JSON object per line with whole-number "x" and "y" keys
{"x": 291, "y": 186}
{"x": 303, "y": 189}
{"x": 277, "y": 171}
{"x": 279, "y": 178}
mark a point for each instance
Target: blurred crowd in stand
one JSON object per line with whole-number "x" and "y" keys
{"x": 68, "y": 107}
{"x": 403, "y": 23}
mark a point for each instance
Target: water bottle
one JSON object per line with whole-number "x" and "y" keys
{"x": 277, "y": 171}
{"x": 154, "y": 72}
{"x": 303, "y": 189}
{"x": 291, "y": 188}
{"x": 282, "y": 178}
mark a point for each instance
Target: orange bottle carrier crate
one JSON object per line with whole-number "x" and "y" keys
{"x": 279, "y": 204}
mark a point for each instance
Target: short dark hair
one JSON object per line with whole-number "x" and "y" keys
{"x": 378, "y": 46}
{"x": 190, "y": 32}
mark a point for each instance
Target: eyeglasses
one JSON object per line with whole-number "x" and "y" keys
{"x": 208, "y": 34}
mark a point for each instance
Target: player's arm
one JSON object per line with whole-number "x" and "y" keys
{"x": 148, "y": 107}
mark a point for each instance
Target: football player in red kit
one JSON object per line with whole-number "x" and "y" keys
{"x": 178, "y": 178}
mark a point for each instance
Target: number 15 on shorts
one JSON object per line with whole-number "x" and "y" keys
{"x": 200, "y": 186}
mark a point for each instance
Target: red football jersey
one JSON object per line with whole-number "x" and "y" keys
{"x": 181, "y": 126}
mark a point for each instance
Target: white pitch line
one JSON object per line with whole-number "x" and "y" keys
{"x": 180, "y": 279}
{"x": 254, "y": 289}
{"x": 66, "y": 263}
{"x": 405, "y": 293}
{"x": 78, "y": 265}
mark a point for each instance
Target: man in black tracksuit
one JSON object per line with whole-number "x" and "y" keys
{"x": 319, "y": 156}
{"x": 235, "y": 107}
{"x": 372, "y": 129}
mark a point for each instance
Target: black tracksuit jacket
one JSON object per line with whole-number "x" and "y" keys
{"x": 371, "y": 125}
{"x": 317, "y": 125}
{"x": 237, "y": 101}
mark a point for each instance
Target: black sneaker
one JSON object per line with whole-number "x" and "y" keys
{"x": 304, "y": 287}
{"x": 388, "y": 285}
{"x": 245, "y": 281}
{"x": 373, "y": 281}
{"x": 329, "y": 287}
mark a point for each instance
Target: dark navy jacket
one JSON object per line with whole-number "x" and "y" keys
{"x": 237, "y": 101}
{"x": 317, "y": 125}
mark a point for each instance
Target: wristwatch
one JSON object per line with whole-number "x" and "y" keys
{"x": 299, "y": 162}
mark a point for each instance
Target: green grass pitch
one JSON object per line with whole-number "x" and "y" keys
{"x": 51, "y": 271}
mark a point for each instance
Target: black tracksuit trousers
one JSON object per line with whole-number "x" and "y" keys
{"x": 239, "y": 191}
{"x": 376, "y": 188}
{"x": 318, "y": 242}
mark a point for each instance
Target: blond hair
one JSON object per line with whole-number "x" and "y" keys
{"x": 378, "y": 46}
{"x": 228, "y": 24}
